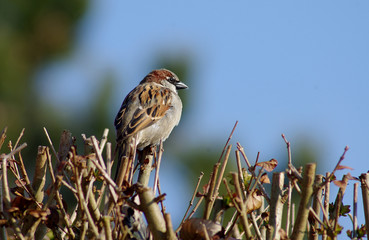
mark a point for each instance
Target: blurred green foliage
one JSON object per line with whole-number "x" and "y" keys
{"x": 32, "y": 33}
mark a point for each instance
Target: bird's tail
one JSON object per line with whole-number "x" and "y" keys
{"x": 126, "y": 155}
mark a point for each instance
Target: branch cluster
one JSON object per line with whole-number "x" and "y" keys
{"x": 101, "y": 209}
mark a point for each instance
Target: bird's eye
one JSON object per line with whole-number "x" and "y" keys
{"x": 171, "y": 80}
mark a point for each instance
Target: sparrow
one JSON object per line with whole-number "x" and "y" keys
{"x": 147, "y": 116}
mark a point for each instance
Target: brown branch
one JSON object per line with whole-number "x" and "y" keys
{"x": 276, "y": 206}
{"x": 242, "y": 207}
{"x": 151, "y": 211}
{"x": 303, "y": 211}
{"x": 364, "y": 179}
{"x": 146, "y": 161}
{"x": 209, "y": 199}
{"x": 158, "y": 162}
{"x": 3, "y": 136}
{"x": 228, "y": 140}
{"x": 6, "y": 197}
{"x": 191, "y": 201}
{"x": 313, "y": 233}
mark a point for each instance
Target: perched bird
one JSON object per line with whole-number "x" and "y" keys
{"x": 147, "y": 116}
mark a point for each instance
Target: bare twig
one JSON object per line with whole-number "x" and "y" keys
{"x": 354, "y": 222}
{"x": 289, "y": 189}
{"x": 209, "y": 196}
{"x": 256, "y": 228}
{"x": 214, "y": 189}
{"x": 6, "y": 197}
{"x": 261, "y": 187}
{"x": 196, "y": 207}
{"x": 19, "y": 138}
{"x": 158, "y": 162}
{"x": 242, "y": 207}
{"x": 234, "y": 201}
{"x": 338, "y": 201}
{"x": 338, "y": 163}
{"x": 191, "y": 201}
{"x": 313, "y": 233}
{"x": 98, "y": 152}
{"x": 325, "y": 208}
{"x": 51, "y": 144}
{"x": 83, "y": 203}
{"x": 3, "y": 136}
{"x": 276, "y": 206}
{"x": 104, "y": 138}
{"x": 228, "y": 140}
{"x": 364, "y": 178}
{"x": 240, "y": 173}
{"x": 303, "y": 211}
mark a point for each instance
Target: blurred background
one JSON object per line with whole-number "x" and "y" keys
{"x": 298, "y": 68}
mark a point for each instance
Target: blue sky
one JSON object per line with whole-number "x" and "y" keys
{"x": 295, "y": 67}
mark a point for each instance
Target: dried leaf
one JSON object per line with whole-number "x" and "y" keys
{"x": 268, "y": 165}
{"x": 340, "y": 167}
{"x": 264, "y": 178}
{"x": 340, "y": 183}
{"x": 13, "y": 210}
{"x": 192, "y": 229}
{"x": 53, "y": 218}
{"x": 17, "y": 191}
{"x": 254, "y": 201}
{"x": 350, "y": 177}
{"x": 21, "y": 182}
{"x": 3, "y": 222}
{"x": 37, "y": 213}
{"x": 21, "y": 203}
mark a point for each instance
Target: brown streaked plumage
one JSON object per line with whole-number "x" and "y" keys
{"x": 147, "y": 116}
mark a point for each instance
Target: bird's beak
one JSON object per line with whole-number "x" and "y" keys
{"x": 181, "y": 85}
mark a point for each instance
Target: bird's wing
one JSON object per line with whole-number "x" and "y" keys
{"x": 153, "y": 102}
